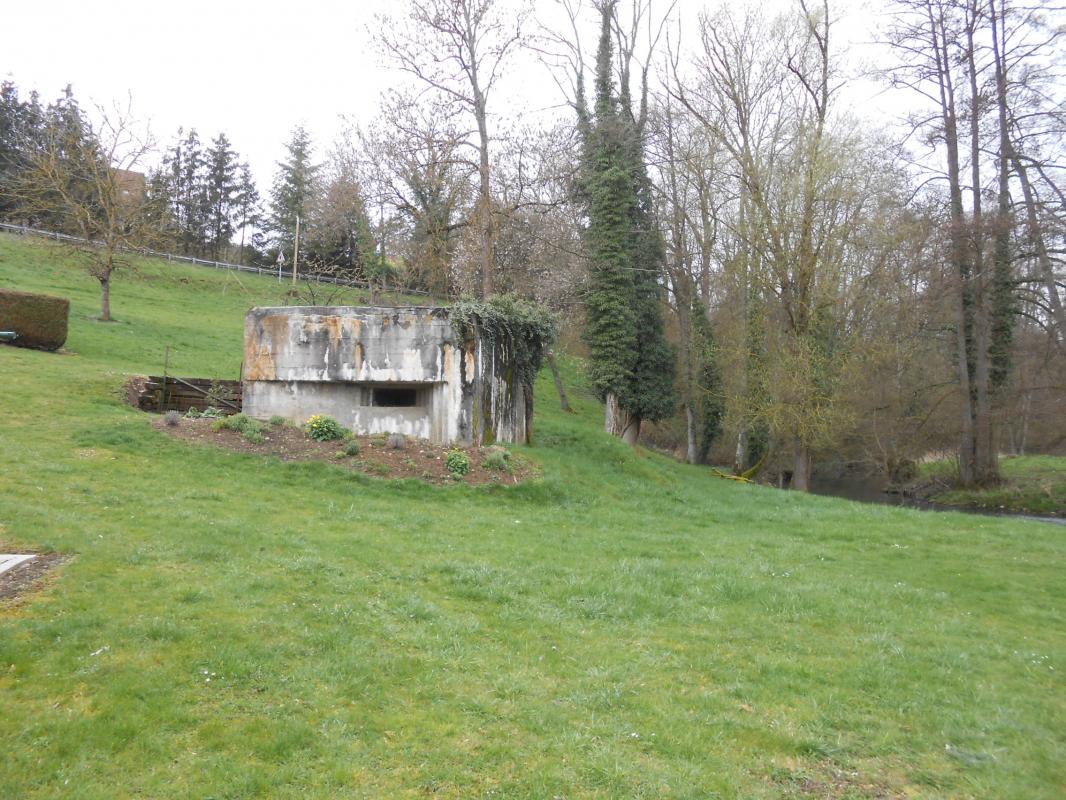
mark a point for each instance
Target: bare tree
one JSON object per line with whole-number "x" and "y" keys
{"x": 459, "y": 48}
{"x": 979, "y": 65}
{"x": 89, "y": 178}
{"x": 805, "y": 182}
{"x": 413, "y": 166}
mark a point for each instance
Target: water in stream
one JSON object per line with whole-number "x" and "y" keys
{"x": 871, "y": 489}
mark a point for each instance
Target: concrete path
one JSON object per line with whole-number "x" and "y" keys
{"x": 9, "y": 560}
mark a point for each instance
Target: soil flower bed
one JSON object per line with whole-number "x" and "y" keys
{"x": 414, "y": 459}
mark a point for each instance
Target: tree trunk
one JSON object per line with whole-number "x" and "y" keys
{"x": 801, "y": 466}
{"x": 692, "y": 454}
{"x": 564, "y": 404}
{"x": 610, "y": 414}
{"x": 484, "y": 197}
{"x": 985, "y": 455}
{"x": 1002, "y": 327}
{"x": 105, "y": 298}
{"x": 740, "y": 458}
{"x": 957, "y": 229}
{"x": 1036, "y": 236}
{"x": 618, "y": 422}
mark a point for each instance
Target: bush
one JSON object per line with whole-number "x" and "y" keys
{"x": 253, "y": 436}
{"x": 250, "y": 429}
{"x": 172, "y": 418}
{"x": 277, "y": 421}
{"x": 352, "y": 449}
{"x": 39, "y": 319}
{"x": 497, "y": 459}
{"x": 458, "y": 463}
{"x": 323, "y": 429}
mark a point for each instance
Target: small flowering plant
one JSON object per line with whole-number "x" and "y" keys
{"x": 458, "y": 463}
{"x": 323, "y": 429}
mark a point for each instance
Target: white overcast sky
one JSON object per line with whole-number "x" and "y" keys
{"x": 256, "y": 69}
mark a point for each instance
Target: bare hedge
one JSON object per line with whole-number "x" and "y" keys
{"x": 39, "y": 320}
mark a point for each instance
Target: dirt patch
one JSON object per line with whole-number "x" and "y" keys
{"x": 415, "y": 459}
{"x": 28, "y": 576}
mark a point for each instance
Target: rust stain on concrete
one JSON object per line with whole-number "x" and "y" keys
{"x": 259, "y": 353}
{"x": 334, "y": 329}
{"x": 468, "y": 354}
{"x": 449, "y": 358}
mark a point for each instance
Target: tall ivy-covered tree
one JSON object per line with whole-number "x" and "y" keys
{"x": 293, "y": 191}
{"x": 632, "y": 364}
{"x": 710, "y": 402}
{"x": 221, "y": 189}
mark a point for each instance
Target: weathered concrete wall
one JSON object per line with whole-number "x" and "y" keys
{"x": 304, "y": 360}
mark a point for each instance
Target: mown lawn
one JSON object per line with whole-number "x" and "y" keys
{"x": 1031, "y": 485}
{"x": 626, "y": 627}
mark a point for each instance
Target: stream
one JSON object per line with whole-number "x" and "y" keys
{"x": 871, "y": 489}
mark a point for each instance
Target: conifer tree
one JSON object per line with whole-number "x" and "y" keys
{"x": 221, "y": 188}
{"x": 246, "y": 206}
{"x": 190, "y": 194}
{"x": 293, "y": 191}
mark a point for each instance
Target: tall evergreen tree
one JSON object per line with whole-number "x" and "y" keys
{"x": 246, "y": 205}
{"x": 632, "y": 365}
{"x": 21, "y": 126}
{"x": 293, "y": 191}
{"x": 221, "y": 188}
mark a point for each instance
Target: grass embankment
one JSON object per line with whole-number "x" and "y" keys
{"x": 230, "y": 626}
{"x": 1031, "y": 485}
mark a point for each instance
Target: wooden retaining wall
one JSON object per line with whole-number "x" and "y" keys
{"x": 158, "y": 394}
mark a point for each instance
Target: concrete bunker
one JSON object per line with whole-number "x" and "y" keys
{"x": 384, "y": 370}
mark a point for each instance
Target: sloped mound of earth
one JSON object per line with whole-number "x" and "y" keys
{"x": 414, "y": 459}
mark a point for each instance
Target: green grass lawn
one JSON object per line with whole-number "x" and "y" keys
{"x": 1031, "y": 485}
{"x": 626, "y": 627}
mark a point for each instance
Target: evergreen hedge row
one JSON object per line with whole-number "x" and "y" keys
{"x": 39, "y": 320}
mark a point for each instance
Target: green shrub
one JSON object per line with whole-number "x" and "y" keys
{"x": 39, "y": 319}
{"x": 277, "y": 421}
{"x": 458, "y": 463}
{"x": 497, "y": 459}
{"x": 172, "y": 418}
{"x": 251, "y": 429}
{"x": 323, "y": 429}
{"x": 352, "y": 449}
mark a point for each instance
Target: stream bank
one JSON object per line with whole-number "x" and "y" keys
{"x": 925, "y": 494}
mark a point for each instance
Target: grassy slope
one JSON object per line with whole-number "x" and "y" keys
{"x": 1032, "y": 484}
{"x": 629, "y": 627}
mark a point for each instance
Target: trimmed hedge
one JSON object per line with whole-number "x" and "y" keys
{"x": 39, "y": 319}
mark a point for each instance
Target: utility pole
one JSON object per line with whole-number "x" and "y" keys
{"x": 296, "y": 251}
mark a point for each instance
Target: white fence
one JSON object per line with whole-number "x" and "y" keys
{"x": 23, "y": 230}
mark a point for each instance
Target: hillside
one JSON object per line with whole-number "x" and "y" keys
{"x": 229, "y": 626}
